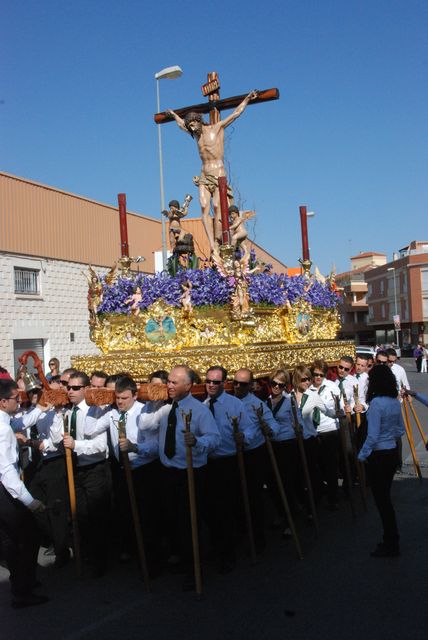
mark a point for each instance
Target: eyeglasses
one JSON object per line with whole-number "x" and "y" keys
{"x": 63, "y": 382}
{"x": 274, "y": 383}
{"x": 342, "y": 368}
{"x": 16, "y": 398}
{"x": 75, "y": 387}
{"x": 305, "y": 379}
{"x": 318, "y": 375}
{"x": 381, "y": 361}
{"x": 238, "y": 383}
{"x": 216, "y": 382}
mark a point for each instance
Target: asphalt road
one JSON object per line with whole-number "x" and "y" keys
{"x": 336, "y": 592}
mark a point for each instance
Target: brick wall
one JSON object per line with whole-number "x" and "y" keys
{"x": 60, "y": 309}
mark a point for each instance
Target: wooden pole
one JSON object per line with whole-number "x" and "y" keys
{"x": 124, "y": 246}
{"x": 283, "y": 496}
{"x": 344, "y": 421}
{"x": 134, "y": 507}
{"x": 224, "y": 209}
{"x": 416, "y": 419}
{"x": 73, "y": 505}
{"x": 244, "y": 488}
{"x": 409, "y": 434}
{"x": 187, "y": 417}
{"x": 301, "y": 445}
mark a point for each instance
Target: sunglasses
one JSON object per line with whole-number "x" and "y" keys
{"x": 274, "y": 383}
{"x": 381, "y": 361}
{"x": 305, "y": 379}
{"x": 216, "y": 382}
{"x": 319, "y": 375}
{"x": 75, "y": 387}
{"x": 344, "y": 368}
{"x": 63, "y": 382}
{"x": 237, "y": 383}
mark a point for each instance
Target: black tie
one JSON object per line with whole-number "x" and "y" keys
{"x": 211, "y": 403}
{"x": 73, "y": 423}
{"x": 169, "y": 448}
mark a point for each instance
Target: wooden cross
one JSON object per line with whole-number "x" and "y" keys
{"x": 214, "y": 105}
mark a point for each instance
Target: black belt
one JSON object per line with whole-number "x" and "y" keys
{"x": 84, "y": 467}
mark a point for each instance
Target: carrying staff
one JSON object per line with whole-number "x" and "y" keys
{"x": 72, "y": 497}
{"x": 424, "y": 400}
{"x": 256, "y": 461}
{"x": 224, "y": 464}
{"x": 174, "y": 439}
{"x": 267, "y": 432}
{"x": 18, "y": 529}
{"x": 92, "y": 473}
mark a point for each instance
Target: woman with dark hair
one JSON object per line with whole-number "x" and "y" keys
{"x": 385, "y": 426}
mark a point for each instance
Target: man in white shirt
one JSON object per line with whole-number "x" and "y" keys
{"x": 18, "y": 530}
{"x": 92, "y": 473}
{"x": 398, "y": 371}
{"x": 142, "y": 449}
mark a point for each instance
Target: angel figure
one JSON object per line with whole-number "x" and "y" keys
{"x": 134, "y": 301}
{"x": 240, "y": 297}
{"x": 238, "y": 230}
{"x": 186, "y": 300}
{"x": 175, "y": 215}
{"x": 95, "y": 293}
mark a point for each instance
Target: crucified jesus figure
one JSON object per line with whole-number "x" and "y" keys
{"x": 210, "y": 141}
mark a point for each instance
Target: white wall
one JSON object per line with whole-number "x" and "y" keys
{"x": 60, "y": 309}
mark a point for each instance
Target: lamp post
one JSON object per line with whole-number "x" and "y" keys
{"x": 397, "y": 333}
{"x": 169, "y": 73}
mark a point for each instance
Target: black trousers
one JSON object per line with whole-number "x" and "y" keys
{"x": 93, "y": 487}
{"x": 256, "y": 465}
{"x": 175, "y": 500}
{"x": 223, "y": 495}
{"x": 287, "y": 457}
{"x": 329, "y": 462}
{"x": 382, "y": 466}
{"x": 312, "y": 452}
{"x": 49, "y": 484}
{"x": 20, "y": 543}
{"x": 146, "y": 481}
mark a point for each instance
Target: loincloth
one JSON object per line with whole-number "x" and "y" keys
{"x": 210, "y": 182}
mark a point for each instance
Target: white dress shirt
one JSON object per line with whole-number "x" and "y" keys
{"x": 9, "y": 474}
{"x": 143, "y": 439}
{"x": 88, "y": 450}
{"x": 328, "y": 421}
{"x": 400, "y": 375}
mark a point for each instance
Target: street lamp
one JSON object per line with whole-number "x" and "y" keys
{"x": 397, "y": 336}
{"x": 169, "y": 73}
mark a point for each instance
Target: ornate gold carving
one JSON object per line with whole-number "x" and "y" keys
{"x": 261, "y": 358}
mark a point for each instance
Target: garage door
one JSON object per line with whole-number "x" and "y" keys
{"x": 20, "y": 346}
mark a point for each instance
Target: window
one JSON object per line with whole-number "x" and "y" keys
{"x": 382, "y": 311}
{"x": 425, "y": 308}
{"x": 382, "y": 287}
{"x": 26, "y": 281}
{"x": 424, "y": 279}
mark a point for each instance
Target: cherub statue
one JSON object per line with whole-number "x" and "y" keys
{"x": 134, "y": 301}
{"x": 175, "y": 215}
{"x": 238, "y": 231}
{"x": 186, "y": 300}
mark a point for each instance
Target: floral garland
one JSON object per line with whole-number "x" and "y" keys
{"x": 209, "y": 287}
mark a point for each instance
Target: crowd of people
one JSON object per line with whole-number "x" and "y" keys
{"x": 299, "y": 413}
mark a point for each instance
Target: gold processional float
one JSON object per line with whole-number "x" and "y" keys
{"x": 232, "y": 309}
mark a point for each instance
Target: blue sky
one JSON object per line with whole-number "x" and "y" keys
{"x": 348, "y": 136}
